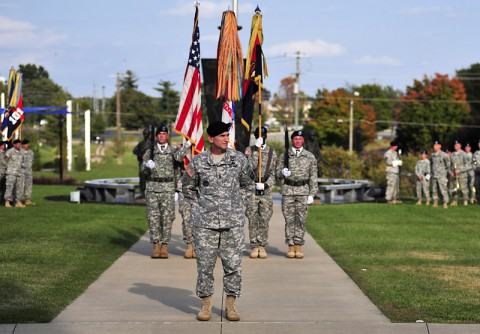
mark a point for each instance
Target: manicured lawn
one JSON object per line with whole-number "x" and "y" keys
{"x": 412, "y": 262}
{"x": 50, "y": 253}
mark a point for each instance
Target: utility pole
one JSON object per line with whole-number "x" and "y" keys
{"x": 118, "y": 141}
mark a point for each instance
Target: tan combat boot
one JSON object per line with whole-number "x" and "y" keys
{"x": 473, "y": 201}
{"x": 164, "y": 251}
{"x": 445, "y": 205}
{"x": 7, "y": 204}
{"x": 156, "y": 251}
{"x": 465, "y": 203}
{"x": 29, "y": 202}
{"x": 189, "y": 253}
{"x": 291, "y": 252}
{"x": 262, "y": 253}
{"x": 298, "y": 252}
{"x": 230, "y": 310}
{"x": 454, "y": 203}
{"x": 254, "y": 253}
{"x": 206, "y": 312}
{"x": 435, "y": 204}
{"x": 419, "y": 202}
{"x": 427, "y": 203}
{"x": 19, "y": 204}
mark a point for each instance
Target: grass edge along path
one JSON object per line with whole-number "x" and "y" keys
{"x": 50, "y": 253}
{"x": 413, "y": 262}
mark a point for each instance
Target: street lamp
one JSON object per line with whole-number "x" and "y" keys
{"x": 350, "y": 132}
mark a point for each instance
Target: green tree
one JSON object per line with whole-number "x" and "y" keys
{"x": 168, "y": 102}
{"x": 470, "y": 77}
{"x": 433, "y": 109}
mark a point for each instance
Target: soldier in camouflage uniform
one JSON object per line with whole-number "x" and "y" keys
{"x": 423, "y": 173}
{"x": 470, "y": 173}
{"x": 160, "y": 170}
{"x": 440, "y": 163}
{"x": 27, "y": 172}
{"x": 14, "y": 174}
{"x": 298, "y": 189}
{"x": 459, "y": 168}
{"x": 3, "y": 169}
{"x": 476, "y": 167}
{"x": 393, "y": 163}
{"x": 260, "y": 208}
{"x": 217, "y": 184}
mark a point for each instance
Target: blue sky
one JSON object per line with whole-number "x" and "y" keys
{"x": 82, "y": 44}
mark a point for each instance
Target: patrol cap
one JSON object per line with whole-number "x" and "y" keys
{"x": 161, "y": 128}
{"x": 218, "y": 127}
{"x": 424, "y": 152}
{"x": 17, "y": 141}
{"x": 298, "y": 133}
{"x": 264, "y": 132}
{"x": 25, "y": 141}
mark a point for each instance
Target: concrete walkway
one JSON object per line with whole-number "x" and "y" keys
{"x": 311, "y": 295}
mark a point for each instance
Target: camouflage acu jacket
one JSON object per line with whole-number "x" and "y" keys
{"x": 303, "y": 180}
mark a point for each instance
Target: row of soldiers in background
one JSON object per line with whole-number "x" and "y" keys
{"x": 446, "y": 174}
{"x": 298, "y": 190}
{"x": 456, "y": 172}
{"x": 16, "y": 173}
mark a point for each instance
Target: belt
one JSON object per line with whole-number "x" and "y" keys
{"x": 161, "y": 179}
{"x": 296, "y": 183}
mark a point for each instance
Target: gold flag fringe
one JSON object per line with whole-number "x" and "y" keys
{"x": 229, "y": 60}
{"x": 256, "y": 31}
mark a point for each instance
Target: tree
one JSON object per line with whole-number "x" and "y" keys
{"x": 433, "y": 109}
{"x": 330, "y": 115}
{"x": 168, "y": 102}
{"x": 470, "y": 77}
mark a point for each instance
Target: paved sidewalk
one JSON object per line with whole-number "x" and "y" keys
{"x": 311, "y": 295}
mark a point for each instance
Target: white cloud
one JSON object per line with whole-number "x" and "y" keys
{"x": 309, "y": 48}
{"x": 20, "y": 34}
{"x": 208, "y": 9}
{"x": 427, "y": 10}
{"x": 383, "y": 60}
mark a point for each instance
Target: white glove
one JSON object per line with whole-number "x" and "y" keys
{"x": 396, "y": 163}
{"x": 309, "y": 200}
{"x": 260, "y": 186}
{"x": 427, "y": 177}
{"x": 187, "y": 144}
{"x": 399, "y": 163}
{"x": 176, "y": 196}
{"x": 286, "y": 172}
{"x": 150, "y": 164}
{"x": 259, "y": 142}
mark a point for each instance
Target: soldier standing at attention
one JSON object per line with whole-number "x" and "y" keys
{"x": 423, "y": 173}
{"x": 298, "y": 189}
{"x": 27, "y": 172}
{"x": 14, "y": 175}
{"x": 217, "y": 184}
{"x": 470, "y": 173}
{"x": 393, "y": 169}
{"x": 260, "y": 208}
{"x": 440, "y": 163}
{"x": 459, "y": 168}
{"x": 3, "y": 169}
{"x": 476, "y": 167}
{"x": 159, "y": 168}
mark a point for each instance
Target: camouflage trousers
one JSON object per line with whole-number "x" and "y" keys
{"x": 295, "y": 210}
{"x": 160, "y": 215}
{"x": 423, "y": 186}
{"x": 259, "y": 211}
{"x": 26, "y": 186}
{"x": 3, "y": 184}
{"x": 228, "y": 244}
{"x": 471, "y": 183}
{"x": 440, "y": 184}
{"x": 393, "y": 184}
{"x": 184, "y": 209}
{"x": 13, "y": 183}
{"x": 462, "y": 186}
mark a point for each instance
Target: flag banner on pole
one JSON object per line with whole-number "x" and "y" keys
{"x": 13, "y": 114}
{"x": 253, "y": 70}
{"x": 189, "y": 118}
{"x": 228, "y": 116}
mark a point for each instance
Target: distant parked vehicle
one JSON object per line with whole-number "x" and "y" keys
{"x": 98, "y": 140}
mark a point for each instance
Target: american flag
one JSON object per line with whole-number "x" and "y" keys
{"x": 228, "y": 116}
{"x": 189, "y": 117}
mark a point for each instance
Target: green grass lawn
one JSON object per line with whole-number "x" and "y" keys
{"x": 50, "y": 253}
{"x": 412, "y": 262}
